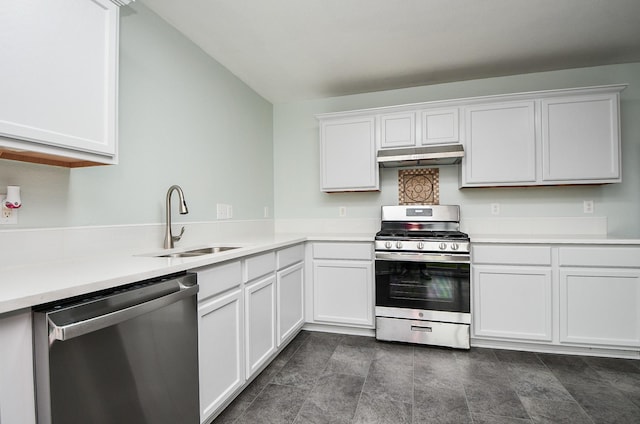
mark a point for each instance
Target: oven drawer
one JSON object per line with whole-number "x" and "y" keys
{"x": 423, "y": 332}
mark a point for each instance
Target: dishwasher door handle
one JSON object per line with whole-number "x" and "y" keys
{"x": 79, "y": 328}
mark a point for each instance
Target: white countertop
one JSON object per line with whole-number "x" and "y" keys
{"x": 25, "y": 286}
{"x": 608, "y": 239}
{"x": 29, "y": 285}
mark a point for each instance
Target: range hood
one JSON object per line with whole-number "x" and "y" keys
{"x": 450, "y": 154}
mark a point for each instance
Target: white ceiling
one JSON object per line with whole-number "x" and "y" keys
{"x": 290, "y": 50}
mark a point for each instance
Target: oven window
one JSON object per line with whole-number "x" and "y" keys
{"x": 419, "y": 285}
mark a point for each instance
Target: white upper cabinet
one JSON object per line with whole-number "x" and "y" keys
{"x": 580, "y": 139}
{"x": 546, "y": 138}
{"x": 554, "y": 137}
{"x": 348, "y": 155}
{"x": 500, "y": 145}
{"x": 433, "y": 126}
{"x": 439, "y": 126}
{"x": 59, "y": 82}
{"x": 398, "y": 130}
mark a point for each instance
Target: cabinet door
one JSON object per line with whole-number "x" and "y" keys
{"x": 440, "y": 126}
{"x": 58, "y": 75}
{"x": 600, "y": 307}
{"x": 512, "y": 302}
{"x": 398, "y": 130}
{"x": 343, "y": 292}
{"x": 290, "y": 301}
{"x": 260, "y": 316}
{"x": 220, "y": 350}
{"x": 348, "y": 155}
{"x": 580, "y": 139}
{"x": 500, "y": 144}
{"x": 16, "y": 369}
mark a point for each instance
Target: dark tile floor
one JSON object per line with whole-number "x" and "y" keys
{"x": 323, "y": 378}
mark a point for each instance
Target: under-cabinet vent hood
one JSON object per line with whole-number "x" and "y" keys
{"x": 450, "y": 154}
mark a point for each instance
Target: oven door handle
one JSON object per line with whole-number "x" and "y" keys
{"x": 422, "y": 257}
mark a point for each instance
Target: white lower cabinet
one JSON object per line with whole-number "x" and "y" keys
{"x": 221, "y": 348}
{"x": 564, "y": 298}
{"x": 220, "y": 335}
{"x": 17, "y": 401}
{"x": 512, "y": 302}
{"x": 600, "y": 307}
{"x": 260, "y": 322}
{"x": 342, "y": 290}
{"x": 290, "y": 301}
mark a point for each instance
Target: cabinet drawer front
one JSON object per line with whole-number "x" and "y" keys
{"x": 511, "y": 255}
{"x": 613, "y": 256}
{"x": 290, "y": 255}
{"x": 219, "y": 278}
{"x": 362, "y": 251}
{"x": 257, "y": 266}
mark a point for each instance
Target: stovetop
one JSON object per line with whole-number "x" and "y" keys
{"x": 429, "y": 229}
{"x": 395, "y": 234}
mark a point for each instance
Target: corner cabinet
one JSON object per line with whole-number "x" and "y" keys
{"x": 348, "y": 154}
{"x": 58, "y": 81}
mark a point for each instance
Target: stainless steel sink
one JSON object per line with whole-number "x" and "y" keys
{"x": 198, "y": 252}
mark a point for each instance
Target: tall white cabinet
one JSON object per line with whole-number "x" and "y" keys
{"x": 58, "y": 80}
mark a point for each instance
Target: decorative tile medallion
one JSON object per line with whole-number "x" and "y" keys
{"x": 419, "y": 186}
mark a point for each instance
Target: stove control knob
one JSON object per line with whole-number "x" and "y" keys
{"x": 454, "y": 246}
{"x": 420, "y": 245}
{"x": 442, "y": 246}
{"x": 387, "y": 245}
{"x": 399, "y": 244}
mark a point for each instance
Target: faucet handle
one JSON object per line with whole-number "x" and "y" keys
{"x": 179, "y": 236}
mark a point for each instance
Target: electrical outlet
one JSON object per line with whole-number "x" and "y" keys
{"x": 342, "y": 211}
{"x": 221, "y": 211}
{"x": 495, "y": 209}
{"x": 8, "y": 216}
{"x": 587, "y": 206}
{"x": 224, "y": 211}
{"x": 266, "y": 211}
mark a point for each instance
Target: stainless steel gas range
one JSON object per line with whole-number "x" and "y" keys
{"x": 422, "y": 276}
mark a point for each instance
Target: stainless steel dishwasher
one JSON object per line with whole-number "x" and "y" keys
{"x": 127, "y": 355}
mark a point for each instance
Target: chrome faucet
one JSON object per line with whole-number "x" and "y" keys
{"x": 169, "y": 237}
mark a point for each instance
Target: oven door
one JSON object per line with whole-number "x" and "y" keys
{"x": 423, "y": 282}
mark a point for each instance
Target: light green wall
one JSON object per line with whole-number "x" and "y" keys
{"x": 297, "y": 192}
{"x": 184, "y": 119}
